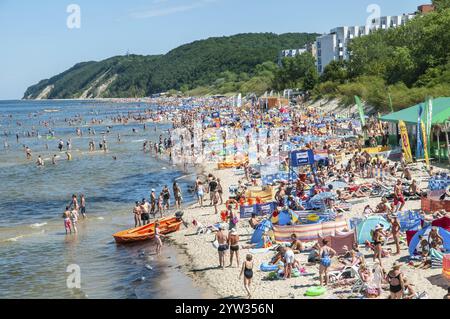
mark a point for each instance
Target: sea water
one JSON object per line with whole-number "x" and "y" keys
{"x": 35, "y": 252}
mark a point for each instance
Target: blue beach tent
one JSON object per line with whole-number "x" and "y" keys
{"x": 258, "y": 234}
{"x": 415, "y": 241}
{"x": 365, "y": 228}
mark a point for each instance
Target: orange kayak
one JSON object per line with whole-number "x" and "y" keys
{"x": 166, "y": 226}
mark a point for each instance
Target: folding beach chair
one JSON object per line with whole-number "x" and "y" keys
{"x": 337, "y": 275}
{"x": 359, "y": 286}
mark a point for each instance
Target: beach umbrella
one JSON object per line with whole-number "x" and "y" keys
{"x": 339, "y": 185}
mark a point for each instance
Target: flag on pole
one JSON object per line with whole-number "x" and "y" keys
{"x": 405, "y": 142}
{"x": 425, "y": 144}
{"x": 390, "y": 103}
{"x": 429, "y": 116}
{"x": 361, "y": 111}
{"x": 419, "y": 149}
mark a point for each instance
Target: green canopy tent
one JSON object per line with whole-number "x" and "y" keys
{"x": 441, "y": 115}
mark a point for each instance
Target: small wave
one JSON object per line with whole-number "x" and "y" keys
{"x": 100, "y": 218}
{"x": 14, "y": 239}
{"x": 137, "y": 141}
{"x": 38, "y": 225}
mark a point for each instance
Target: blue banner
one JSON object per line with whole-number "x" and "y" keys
{"x": 258, "y": 209}
{"x": 302, "y": 158}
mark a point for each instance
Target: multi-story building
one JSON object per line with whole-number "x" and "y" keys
{"x": 309, "y": 47}
{"x": 334, "y": 46}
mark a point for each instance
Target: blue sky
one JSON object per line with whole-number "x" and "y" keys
{"x": 35, "y": 42}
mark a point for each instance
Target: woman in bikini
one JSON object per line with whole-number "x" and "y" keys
{"x": 247, "y": 271}
{"x": 377, "y": 238}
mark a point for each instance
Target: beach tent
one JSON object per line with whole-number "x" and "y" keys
{"x": 339, "y": 240}
{"x": 441, "y": 113}
{"x": 365, "y": 228}
{"x": 287, "y": 217}
{"x": 258, "y": 234}
{"x": 444, "y": 222}
{"x": 415, "y": 241}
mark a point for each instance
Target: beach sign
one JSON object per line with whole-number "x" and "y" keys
{"x": 405, "y": 142}
{"x": 302, "y": 158}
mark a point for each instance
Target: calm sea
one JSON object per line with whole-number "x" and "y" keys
{"x": 34, "y": 250}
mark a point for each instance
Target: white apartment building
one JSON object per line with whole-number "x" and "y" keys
{"x": 334, "y": 46}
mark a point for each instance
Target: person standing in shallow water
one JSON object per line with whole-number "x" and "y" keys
{"x": 67, "y": 222}
{"x": 83, "y": 206}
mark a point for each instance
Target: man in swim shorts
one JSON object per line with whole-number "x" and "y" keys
{"x": 145, "y": 210}
{"x": 222, "y": 239}
{"x": 398, "y": 196}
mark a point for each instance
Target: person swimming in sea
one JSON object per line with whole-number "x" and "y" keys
{"x": 40, "y": 161}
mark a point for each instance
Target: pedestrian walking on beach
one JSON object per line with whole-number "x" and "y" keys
{"x": 395, "y": 230}
{"x": 233, "y": 242}
{"x": 177, "y": 194}
{"x": 158, "y": 240}
{"x": 220, "y": 191}
{"x": 247, "y": 271}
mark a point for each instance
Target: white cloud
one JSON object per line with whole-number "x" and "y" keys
{"x": 159, "y": 9}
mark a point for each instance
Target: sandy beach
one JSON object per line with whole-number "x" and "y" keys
{"x": 204, "y": 267}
